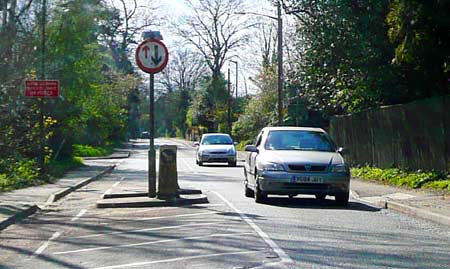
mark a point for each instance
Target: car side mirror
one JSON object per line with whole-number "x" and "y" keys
{"x": 251, "y": 148}
{"x": 342, "y": 150}
{"x": 196, "y": 144}
{"x": 235, "y": 143}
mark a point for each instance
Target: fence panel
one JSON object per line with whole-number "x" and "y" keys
{"x": 412, "y": 136}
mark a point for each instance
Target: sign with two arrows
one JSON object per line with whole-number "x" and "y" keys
{"x": 152, "y": 56}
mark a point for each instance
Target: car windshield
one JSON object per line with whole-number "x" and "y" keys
{"x": 217, "y": 140}
{"x": 299, "y": 140}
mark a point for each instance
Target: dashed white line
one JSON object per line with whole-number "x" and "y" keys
{"x": 79, "y": 215}
{"x": 150, "y": 229}
{"x": 180, "y": 259}
{"x": 280, "y": 252}
{"x": 152, "y": 242}
{"x": 45, "y": 245}
{"x": 108, "y": 191}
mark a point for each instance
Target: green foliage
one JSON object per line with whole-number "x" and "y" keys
{"x": 90, "y": 151}
{"x": 401, "y": 177}
{"x": 420, "y": 32}
{"x": 261, "y": 110}
{"x": 59, "y": 167}
{"x": 22, "y": 174}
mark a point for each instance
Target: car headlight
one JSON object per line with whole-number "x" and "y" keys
{"x": 231, "y": 151}
{"x": 271, "y": 167}
{"x": 340, "y": 168}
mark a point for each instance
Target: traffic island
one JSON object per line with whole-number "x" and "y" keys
{"x": 169, "y": 193}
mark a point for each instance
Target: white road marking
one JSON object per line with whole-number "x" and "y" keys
{"x": 150, "y": 229}
{"x": 108, "y": 191}
{"x": 180, "y": 259}
{"x": 79, "y": 215}
{"x": 280, "y": 252}
{"x": 45, "y": 245}
{"x": 178, "y": 216}
{"x": 152, "y": 242}
{"x": 192, "y": 170}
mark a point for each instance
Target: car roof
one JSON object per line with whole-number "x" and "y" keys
{"x": 208, "y": 134}
{"x": 289, "y": 128}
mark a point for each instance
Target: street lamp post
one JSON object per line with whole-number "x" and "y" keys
{"x": 279, "y": 57}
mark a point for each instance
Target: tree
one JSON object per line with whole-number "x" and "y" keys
{"x": 420, "y": 31}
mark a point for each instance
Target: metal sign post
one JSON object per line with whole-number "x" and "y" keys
{"x": 151, "y": 57}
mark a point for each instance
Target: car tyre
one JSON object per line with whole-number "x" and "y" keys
{"x": 232, "y": 164}
{"x": 200, "y": 163}
{"x": 320, "y": 196}
{"x": 248, "y": 192}
{"x": 260, "y": 197}
{"x": 342, "y": 198}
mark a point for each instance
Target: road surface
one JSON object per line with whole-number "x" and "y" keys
{"x": 231, "y": 231}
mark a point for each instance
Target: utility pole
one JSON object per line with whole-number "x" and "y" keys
{"x": 229, "y": 102}
{"x": 280, "y": 64}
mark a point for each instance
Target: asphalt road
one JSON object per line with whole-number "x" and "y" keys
{"x": 232, "y": 231}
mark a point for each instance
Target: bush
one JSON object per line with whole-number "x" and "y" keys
{"x": 399, "y": 177}
{"x": 60, "y": 167}
{"x": 90, "y": 151}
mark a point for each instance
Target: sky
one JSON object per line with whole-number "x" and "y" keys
{"x": 171, "y": 10}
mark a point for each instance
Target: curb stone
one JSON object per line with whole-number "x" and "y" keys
{"x": 51, "y": 199}
{"x": 60, "y": 194}
{"x": 19, "y": 216}
{"x": 406, "y": 209}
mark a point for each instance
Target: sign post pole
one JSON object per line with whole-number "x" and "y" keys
{"x": 152, "y": 57}
{"x": 152, "y": 151}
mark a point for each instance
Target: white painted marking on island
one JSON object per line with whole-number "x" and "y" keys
{"x": 179, "y": 259}
{"x": 152, "y": 242}
{"x": 45, "y": 245}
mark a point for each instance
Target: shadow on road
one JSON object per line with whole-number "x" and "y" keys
{"x": 304, "y": 202}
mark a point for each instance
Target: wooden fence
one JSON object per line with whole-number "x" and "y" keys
{"x": 412, "y": 136}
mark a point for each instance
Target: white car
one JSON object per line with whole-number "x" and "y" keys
{"x": 216, "y": 148}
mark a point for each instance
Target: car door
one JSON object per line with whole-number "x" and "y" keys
{"x": 252, "y": 161}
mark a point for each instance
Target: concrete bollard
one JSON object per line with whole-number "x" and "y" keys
{"x": 168, "y": 176}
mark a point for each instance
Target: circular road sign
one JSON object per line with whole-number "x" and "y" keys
{"x": 152, "y": 56}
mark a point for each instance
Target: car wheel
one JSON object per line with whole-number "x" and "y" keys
{"x": 320, "y": 196}
{"x": 196, "y": 161}
{"x": 342, "y": 198}
{"x": 200, "y": 163}
{"x": 260, "y": 197}
{"x": 248, "y": 192}
{"x": 232, "y": 164}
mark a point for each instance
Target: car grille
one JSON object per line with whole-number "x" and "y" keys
{"x": 307, "y": 168}
{"x": 218, "y": 152}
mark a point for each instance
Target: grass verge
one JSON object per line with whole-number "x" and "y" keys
{"x": 90, "y": 151}
{"x": 435, "y": 180}
{"x": 25, "y": 173}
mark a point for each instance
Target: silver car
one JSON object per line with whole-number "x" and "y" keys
{"x": 216, "y": 148}
{"x": 295, "y": 160}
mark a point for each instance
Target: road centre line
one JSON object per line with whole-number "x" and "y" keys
{"x": 188, "y": 166}
{"x": 79, "y": 215}
{"x": 150, "y": 229}
{"x": 151, "y": 242}
{"x": 280, "y": 252}
{"x": 108, "y": 191}
{"x": 45, "y": 245}
{"x": 180, "y": 259}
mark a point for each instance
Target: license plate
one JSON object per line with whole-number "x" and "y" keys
{"x": 306, "y": 179}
